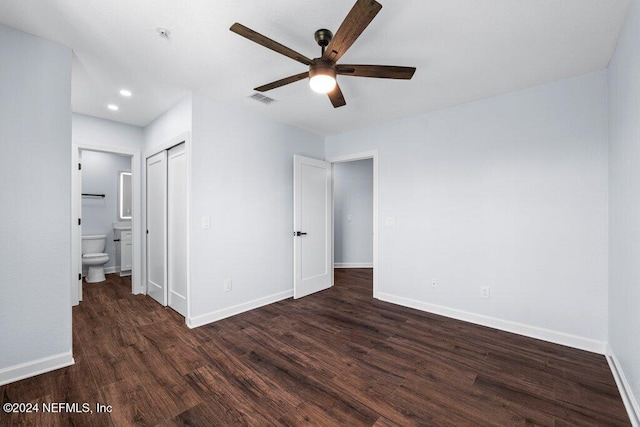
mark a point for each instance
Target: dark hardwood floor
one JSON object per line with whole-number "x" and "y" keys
{"x": 338, "y": 357}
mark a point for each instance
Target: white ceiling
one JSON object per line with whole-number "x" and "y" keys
{"x": 463, "y": 50}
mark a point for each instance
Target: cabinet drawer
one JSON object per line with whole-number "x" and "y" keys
{"x": 126, "y": 235}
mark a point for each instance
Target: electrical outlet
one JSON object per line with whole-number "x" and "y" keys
{"x": 228, "y": 285}
{"x": 485, "y": 292}
{"x": 434, "y": 284}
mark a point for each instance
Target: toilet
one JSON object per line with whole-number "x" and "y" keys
{"x": 94, "y": 257}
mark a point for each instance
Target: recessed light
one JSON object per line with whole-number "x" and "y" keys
{"x": 125, "y": 92}
{"x": 112, "y": 107}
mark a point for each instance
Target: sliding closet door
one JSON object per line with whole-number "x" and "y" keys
{"x": 157, "y": 227}
{"x": 177, "y": 228}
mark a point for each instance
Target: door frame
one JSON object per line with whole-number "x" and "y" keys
{"x": 371, "y": 154}
{"x": 76, "y": 204}
{"x": 172, "y": 142}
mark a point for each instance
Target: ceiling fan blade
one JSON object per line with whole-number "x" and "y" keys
{"x": 358, "y": 18}
{"x": 282, "y": 82}
{"x": 378, "y": 71}
{"x": 336, "y": 97}
{"x": 268, "y": 43}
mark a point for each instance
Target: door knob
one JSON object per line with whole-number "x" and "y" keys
{"x": 299, "y": 233}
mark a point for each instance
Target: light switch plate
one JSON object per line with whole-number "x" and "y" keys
{"x": 349, "y": 218}
{"x": 206, "y": 222}
{"x": 391, "y": 221}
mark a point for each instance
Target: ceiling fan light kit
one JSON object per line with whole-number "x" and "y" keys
{"x": 322, "y": 76}
{"x": 323, "y": 70}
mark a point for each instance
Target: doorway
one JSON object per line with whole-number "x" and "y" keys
{"x": 355, "y": 212}
{"x": 314, "y": 222}
{"x": 76, "y": 219}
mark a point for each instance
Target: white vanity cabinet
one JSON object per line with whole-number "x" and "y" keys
{"x": 125, "y": 253}
{"x": 124, "y": 248}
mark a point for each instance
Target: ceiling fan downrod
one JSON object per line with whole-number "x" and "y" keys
{"x": 323, "y": 38}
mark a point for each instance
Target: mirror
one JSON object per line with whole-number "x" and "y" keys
{"x": 124, "y": 195}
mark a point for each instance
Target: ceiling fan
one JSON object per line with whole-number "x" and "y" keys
{"x": 323, "y": 70}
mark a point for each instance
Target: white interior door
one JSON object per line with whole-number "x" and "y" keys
{"x": 176, "y": 228}
{"x": 157, "y": 227}
{"x": 313, "y": 267}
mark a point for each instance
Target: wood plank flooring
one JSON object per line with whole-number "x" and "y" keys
{"x": 338, "y": 357}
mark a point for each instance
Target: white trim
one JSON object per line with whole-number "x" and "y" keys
{"x": 35, "y": 367}
{"x": 75, "y": 290}
{"x": 179, "y": 303}
{"x": 362, "y": 155}
{"x": 629, "y": 400}
{"x": 549, "y": 335}
{"x": 172, "y": 142}
{"x": 194, "y": 322}
{"x": 352, "y": 265}
{"x": 188, "y": 149}
{"x": 371, "y": 154}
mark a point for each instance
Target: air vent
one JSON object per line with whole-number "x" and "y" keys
{"x": 260, "y": 97}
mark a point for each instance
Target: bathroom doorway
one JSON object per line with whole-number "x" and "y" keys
{"x": 110, "y": 197}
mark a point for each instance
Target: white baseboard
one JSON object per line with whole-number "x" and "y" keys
{"x": 556, "y": 337}
{"x": 629, "y": 400}
{"x": 178, "y": 302}
{"x": 194, "y": 322}
{"x": 35, "y": 367}
{"x": 352, "y": 265}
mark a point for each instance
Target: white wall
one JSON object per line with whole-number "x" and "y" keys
{"x": 353, "y": 213}
{"x": 35, "y": 213}
{"x": 174, "y": 122}
{"x": 624, "y": 204}
{"x": 242, "y": 177}
{"x": 508, "y": 192}
{"x": 93, "y": 131}
{"x": 100, "y": 175}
